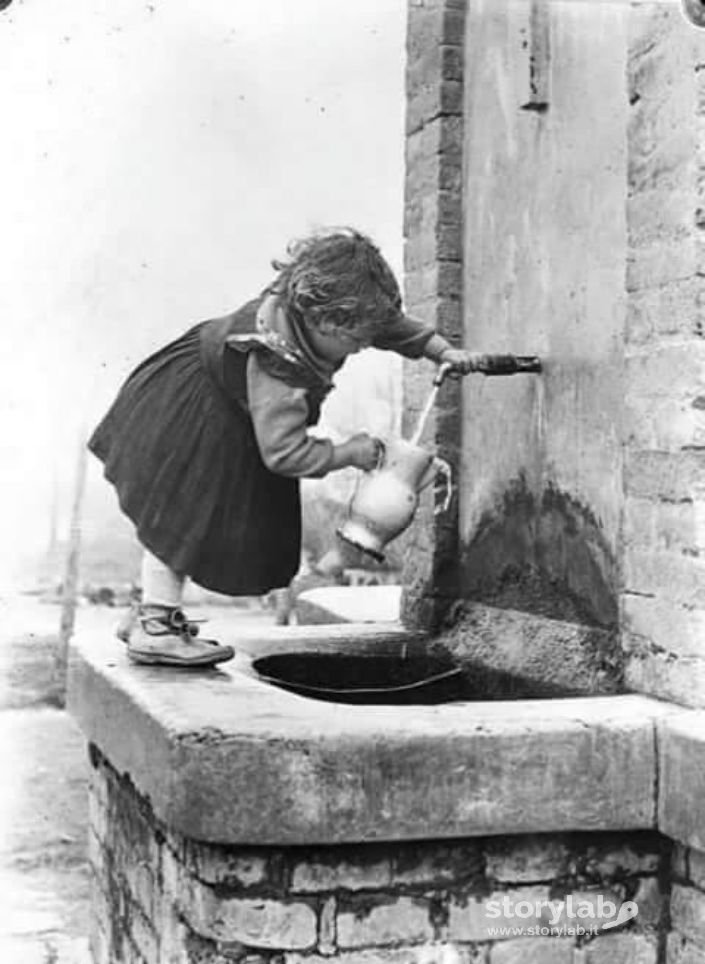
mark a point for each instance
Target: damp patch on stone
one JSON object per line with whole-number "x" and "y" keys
{"x": 544, "y": 553}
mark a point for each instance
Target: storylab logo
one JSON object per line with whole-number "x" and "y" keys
{"x": 694, "y": 12}
{"x": 574, "y": 915}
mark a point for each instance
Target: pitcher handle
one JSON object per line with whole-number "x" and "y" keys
{"x": 381, "y": 454}
{"x": 439, "y": 466}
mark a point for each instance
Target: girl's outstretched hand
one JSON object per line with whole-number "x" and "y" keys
{"x": 460, "y": 362}
{"x": 362, "y": 451}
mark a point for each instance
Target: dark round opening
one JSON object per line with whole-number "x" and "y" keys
{"x": 393, "y": 680}
{"x": 365, "y": 679}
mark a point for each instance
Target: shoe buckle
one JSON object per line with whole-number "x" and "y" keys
{"x": 188, "y": 628}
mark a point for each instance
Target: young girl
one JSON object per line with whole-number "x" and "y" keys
{"x": 207, "y": 438}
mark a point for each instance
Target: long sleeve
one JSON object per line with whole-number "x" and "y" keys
{"x": 406, "y": 337}
{"x": 279, "y": 415}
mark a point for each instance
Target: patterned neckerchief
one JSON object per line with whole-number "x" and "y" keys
{"x": 286, "y": 340}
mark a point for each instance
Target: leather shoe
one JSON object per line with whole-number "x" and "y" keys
{"x": 163, "y": 636}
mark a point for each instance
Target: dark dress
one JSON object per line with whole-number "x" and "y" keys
{"x": 179, "y": 447}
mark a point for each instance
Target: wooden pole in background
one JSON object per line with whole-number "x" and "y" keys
{"x": 70, "y": 590}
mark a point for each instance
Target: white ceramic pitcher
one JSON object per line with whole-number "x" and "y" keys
{"x": 386, "y": 498}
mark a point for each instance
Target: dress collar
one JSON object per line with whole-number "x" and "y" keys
{"x": 287, "y": 332}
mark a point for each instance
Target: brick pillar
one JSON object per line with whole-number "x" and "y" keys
{"x": 663, "y": 599}
{"x": 433, "y": 277}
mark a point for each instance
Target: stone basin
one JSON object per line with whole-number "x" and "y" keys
{"x": 386, "y": 680}
{"x": 418, "y": 679}
{"x": 224, "y": 756}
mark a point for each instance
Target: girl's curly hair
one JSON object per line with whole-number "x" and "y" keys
{"x": 338, "y": 276}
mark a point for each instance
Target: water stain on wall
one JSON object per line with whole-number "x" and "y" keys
{"x": 537, "y": 599}
{"x": 544, "y": 554}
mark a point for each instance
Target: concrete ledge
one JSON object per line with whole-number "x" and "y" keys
{"x": 349, "y": 604}
{"x": 681, "y": 804}
{"x": 225, "y": 757}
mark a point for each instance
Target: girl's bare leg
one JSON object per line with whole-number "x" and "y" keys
{"x": 160, "y": 585}
{"x": 158, "y": 632}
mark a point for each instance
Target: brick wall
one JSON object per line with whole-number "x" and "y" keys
{"x": 520, "y": 246}
{"x": 686, "y": 940}
{"x": 663, "y": 602}
{"x": 433, "y": 273}
{"x": 161, "y": 899}
{"x": 615, "y": 431}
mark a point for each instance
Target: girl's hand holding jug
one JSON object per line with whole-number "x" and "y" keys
{"x": 362, "y": 451}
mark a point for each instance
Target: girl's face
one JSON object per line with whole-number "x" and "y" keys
{"x": 335, "y": 344}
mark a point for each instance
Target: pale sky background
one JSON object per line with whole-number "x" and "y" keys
{"x": 155, "y": 156}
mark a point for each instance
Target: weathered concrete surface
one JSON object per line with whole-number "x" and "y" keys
{"x": 225, "y": 757}
{"x": 681, "y": 803}
{"x": 545, "y": 252}
{"x": 349, "y": 604}
{"x": 554, "y": 656}
{"x": 551, "y": 656}
{"x": 666, "y": 677}
{"x": 352, "y": 637}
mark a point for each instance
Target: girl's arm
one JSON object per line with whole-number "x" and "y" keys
{"x": 406, "y": 337}
{"x": 279, "y": 414}
{"x": 443, "y": 353}
{"x": 413, "y": 339}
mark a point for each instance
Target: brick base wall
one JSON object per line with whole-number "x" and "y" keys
{"x": 686, "y": 941}
{"x": 163, "y": 899}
